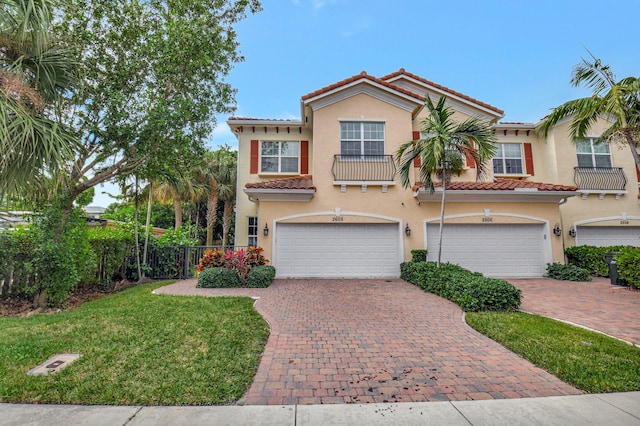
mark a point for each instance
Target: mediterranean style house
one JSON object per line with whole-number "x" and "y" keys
{"x": 321, "y": 195}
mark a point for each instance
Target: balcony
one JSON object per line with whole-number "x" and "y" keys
{"x": 600, "y": 180}
{"x": 364, "y": 170}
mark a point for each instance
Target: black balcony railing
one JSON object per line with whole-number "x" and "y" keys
{"x": 363, "y": 168}
{"x": 600, "y": 178}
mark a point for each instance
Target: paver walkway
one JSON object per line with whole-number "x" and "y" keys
{"x": 359, "y": 341}
{"x": 610, "y": 309}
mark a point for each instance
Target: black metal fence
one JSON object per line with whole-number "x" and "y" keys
{"x": 362, "y": 168}
{"x": 179, "y": 262}
{"x": 600, "y": 178}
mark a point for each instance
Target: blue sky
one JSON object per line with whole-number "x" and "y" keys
{"x": 516, "y": 55}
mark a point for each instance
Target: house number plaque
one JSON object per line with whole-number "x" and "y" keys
{"x": 337, "y": 219}
{"x": 487, "y": 219}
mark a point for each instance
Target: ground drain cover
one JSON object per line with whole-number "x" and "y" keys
{"x": 53, "y": 364}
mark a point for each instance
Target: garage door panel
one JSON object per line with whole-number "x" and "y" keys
{"x": 337, "y": 250}
{"x": 495, "y": 250}
{"x": 603, "y": 236}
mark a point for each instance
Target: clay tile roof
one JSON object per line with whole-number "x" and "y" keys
{"x": 362, "y": 76}
{"x": 263, "y": 119}
{"x": 500, "y": 185}
{"x": 402, "y": 71}
{"x": 296, "y": 182}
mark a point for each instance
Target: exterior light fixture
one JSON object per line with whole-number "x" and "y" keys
{"x": 265, "y": 231}
{"x": 407, "y": 230}
{"x": 556, "y": 230}
{"x": 572, "y": 232}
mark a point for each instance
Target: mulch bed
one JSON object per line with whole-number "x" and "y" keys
{"x": 24, "y": 307}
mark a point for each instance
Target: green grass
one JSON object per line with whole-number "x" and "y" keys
{"x": 137, "y": 349}
{"x": 589, "y": 361}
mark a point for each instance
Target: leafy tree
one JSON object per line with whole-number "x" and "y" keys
{"x": 36, "y": 71}
{"x": 611, "y": 99}
{"x": 443, "y": 149}
{"x": 153, "y": 74}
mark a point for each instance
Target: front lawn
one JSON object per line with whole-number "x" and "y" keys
{"x": 587, "y": 360}
{"x": 137, "y": 349}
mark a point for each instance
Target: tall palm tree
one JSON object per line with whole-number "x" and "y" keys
{"x": 35, "y": 72}
{"x": 442, "y": 150}
{"x": 611, "y": 99}
{"x": 227, "y": 191}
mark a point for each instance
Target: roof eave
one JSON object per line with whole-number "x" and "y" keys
{"x": 295, "y": 195}
{"x": 495, "y": 196}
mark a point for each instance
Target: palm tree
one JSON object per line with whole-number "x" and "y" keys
{"x": 443, "y": 150}
{"x": 34, "y": 75}
{"x": 227, "y": 191}
{"x": 617, "y": 100}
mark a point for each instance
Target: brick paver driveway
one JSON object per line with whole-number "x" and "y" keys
{"x": 610, "y": 309}
{"x": 343, "y": 341}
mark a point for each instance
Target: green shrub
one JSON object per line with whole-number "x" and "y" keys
{"x": 419, "y": 255}
{"x": 567, "y": 272}
{"x": 261, "y": 276}
{"x": 591, "y": 258}
{"x": 112, "y": 248}
{"x": 628, "y": 262}
{"x": 218, "y": 278}
{"x": 472, "y": 291}
{"x": 16, "y": 262}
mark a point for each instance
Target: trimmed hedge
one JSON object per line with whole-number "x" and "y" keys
{"x": 628, "y": 262}
{"x": 472, "y": 291}
{"x": 591, "y": 258}
{"x": 261, "y": 276}
{"x": 567, "y": 272}
{"x": 419, "y": 255}
{"x": 218, "y": 278}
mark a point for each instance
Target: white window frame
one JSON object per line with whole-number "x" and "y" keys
{"x": 279, "y": 157}
{"x": 593, "y": 154}
{"x": 252, "y": 237}
{"x": 504, "y": 159}
{"x": 362, "y": 139}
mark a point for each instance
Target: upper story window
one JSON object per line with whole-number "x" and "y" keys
{"x": 361, "y": 138}
{"x": 279, "y": 157}
{"x": 508, "y": 159}
{"x": 593, "y": 154}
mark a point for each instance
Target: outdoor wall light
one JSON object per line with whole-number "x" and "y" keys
{"x": 265, "y": 231}
{"x": 407, "y": 230}
{"x": 572, "y": 232}
{"x": 556, "y": 230}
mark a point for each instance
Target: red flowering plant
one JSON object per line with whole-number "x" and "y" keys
{"x": 211, "y": 259}
{"x": 240, "y": 260}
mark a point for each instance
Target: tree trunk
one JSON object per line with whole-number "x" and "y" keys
{"x": 135, "y": 231}
{"x": 212, "y": 215}
{"x": 177, "y": 207}
{"x": 148, "y": 224}
{"x": 226, "y": 221}
{"x": 444, "y": 194}
{"x": 632, "y": 146}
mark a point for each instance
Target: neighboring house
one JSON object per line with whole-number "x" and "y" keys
{"x": 321, "y": 196}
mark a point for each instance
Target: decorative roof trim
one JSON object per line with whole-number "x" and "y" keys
{"x": 438, "y": 87}
{"x": 493, "y": 196}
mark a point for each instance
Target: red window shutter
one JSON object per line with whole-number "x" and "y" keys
{"x": 304, "y": 157}
{"x": 528, "y": 158}
{"x": 416, "y": 161}
{"x": 255, "y": 156}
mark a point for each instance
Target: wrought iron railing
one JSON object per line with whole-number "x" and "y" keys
{"x": 600, "y": 178}
{"x": 169, "y": 262}
{"x": 363, "y": 168}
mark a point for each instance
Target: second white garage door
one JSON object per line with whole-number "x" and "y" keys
{"x": 603, "y": 236}
{"x": 337, "y": 250}
{"x": 494, "y": 250}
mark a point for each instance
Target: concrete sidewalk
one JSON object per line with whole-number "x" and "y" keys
{"x": 598, "y": 409}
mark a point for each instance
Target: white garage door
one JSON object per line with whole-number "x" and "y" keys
{"x": 494, "y": 250}
{"x": 602, "y": 236}
{"x": 337, "y": 250}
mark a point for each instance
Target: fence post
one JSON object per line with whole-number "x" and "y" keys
{"x": 186, "y": 262}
